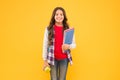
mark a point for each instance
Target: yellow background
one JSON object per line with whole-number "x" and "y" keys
{"x": 97, "y": 32}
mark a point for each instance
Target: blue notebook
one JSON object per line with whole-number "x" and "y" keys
{"x": 68, "y": 36}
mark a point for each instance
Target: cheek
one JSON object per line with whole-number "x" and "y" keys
{"x": 63, "y": 17}
{"x": 55, "y": 17}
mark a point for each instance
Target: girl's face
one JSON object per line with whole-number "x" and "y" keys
{"x": 59, "y": 17}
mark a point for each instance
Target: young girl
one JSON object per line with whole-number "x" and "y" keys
{"x": 53, "y": 46}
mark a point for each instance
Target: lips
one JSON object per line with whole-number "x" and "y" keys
{"x": 59, "y": 18}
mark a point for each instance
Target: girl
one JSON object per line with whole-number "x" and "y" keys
{"x": 53, "y": 46}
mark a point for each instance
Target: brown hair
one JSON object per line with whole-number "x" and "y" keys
{"x": 52, "y": 22}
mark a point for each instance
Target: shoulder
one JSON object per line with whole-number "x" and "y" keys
{"x": 46, "y": 29}
{"x": 71, "y": 27}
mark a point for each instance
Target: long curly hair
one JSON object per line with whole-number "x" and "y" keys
{"x": 52, "y": 22}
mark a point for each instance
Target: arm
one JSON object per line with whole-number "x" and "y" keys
{"x": 44, "y": 55}
{"x": 45, "y": 41}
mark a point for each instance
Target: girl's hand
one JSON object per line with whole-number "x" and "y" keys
{"x": 45, "y": 64}
{"x": 65, "y": 47}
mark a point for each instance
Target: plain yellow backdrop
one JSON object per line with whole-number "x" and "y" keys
{"x": 97, "y": 33}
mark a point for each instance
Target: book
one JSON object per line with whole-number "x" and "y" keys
{"x": 68, "y": 36}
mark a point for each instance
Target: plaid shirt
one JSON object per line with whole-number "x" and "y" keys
{"x": 50, "y": 54}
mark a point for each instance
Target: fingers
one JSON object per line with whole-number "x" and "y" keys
{"x": 65, "y": 46}
{"x": 45, "y": 65}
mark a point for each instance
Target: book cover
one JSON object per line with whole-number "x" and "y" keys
{"x": 68, "y": 36}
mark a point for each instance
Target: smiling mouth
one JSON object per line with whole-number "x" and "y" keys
{"x": 59, "y": 19}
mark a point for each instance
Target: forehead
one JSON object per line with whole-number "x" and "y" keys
{"x": 59, "y": 11}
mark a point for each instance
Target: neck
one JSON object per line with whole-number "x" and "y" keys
{"x": 58, "y": 24}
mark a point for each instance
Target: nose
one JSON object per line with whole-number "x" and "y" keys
{"x": 59, "y": 15}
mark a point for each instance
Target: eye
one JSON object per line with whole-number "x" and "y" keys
{"x": 61, "y": 14}
{"x": 56, "y": 14}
